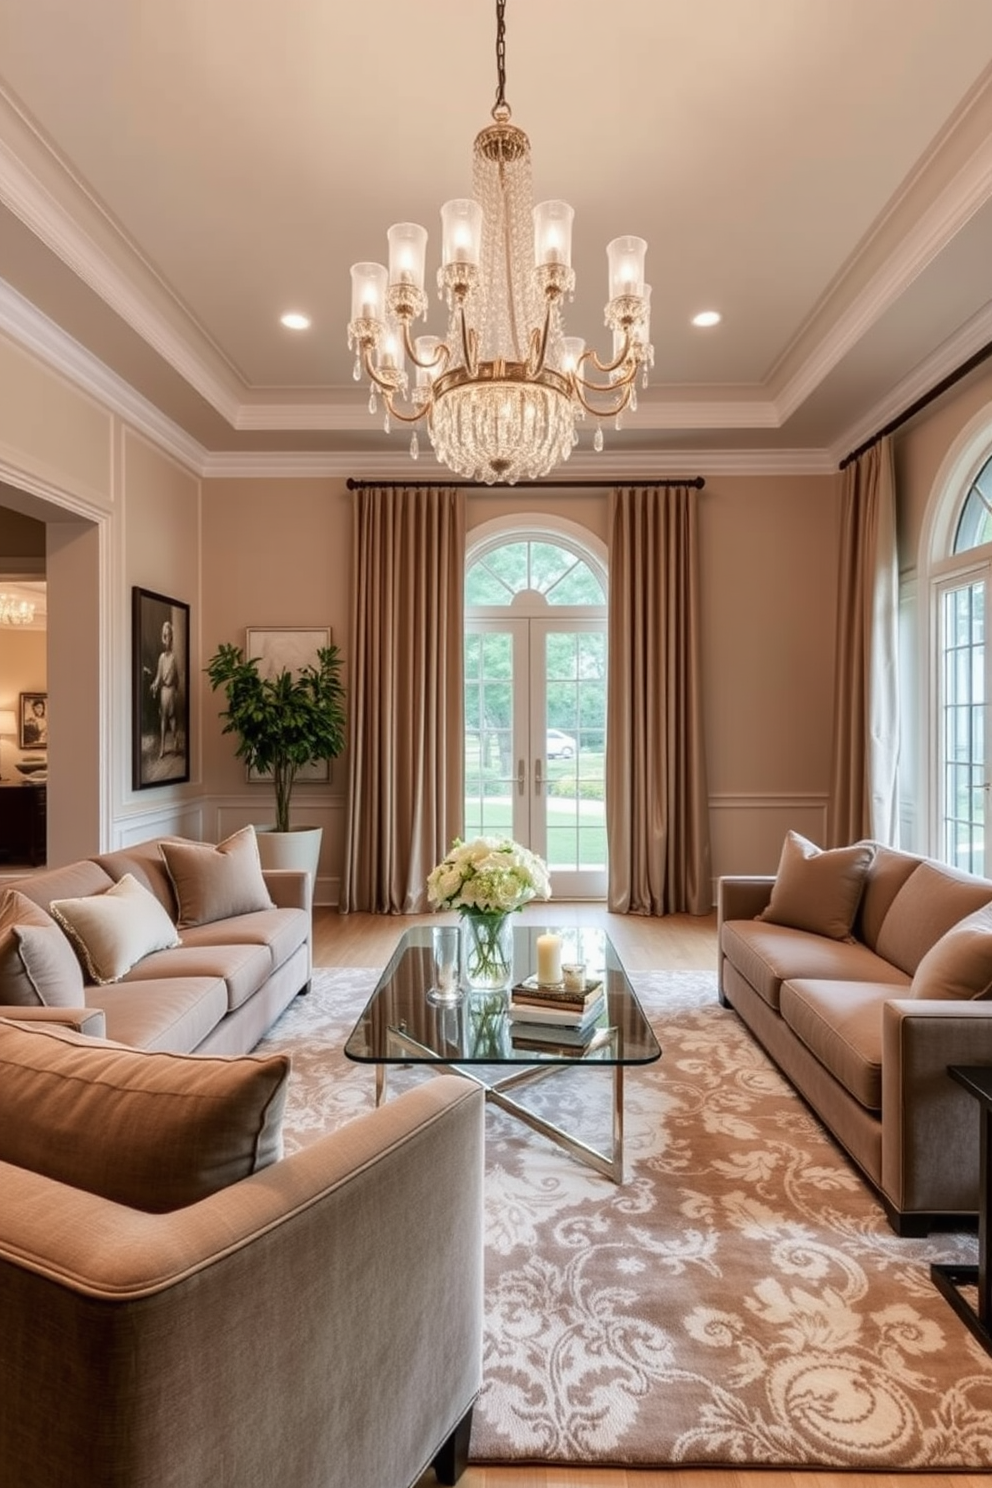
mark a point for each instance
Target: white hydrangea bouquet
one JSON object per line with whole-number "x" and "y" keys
{"x": 486, "y": 880}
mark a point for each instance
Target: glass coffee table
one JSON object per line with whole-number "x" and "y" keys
{"x": 401, "y": 1026}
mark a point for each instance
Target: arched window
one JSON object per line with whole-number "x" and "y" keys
{"x": 959, "y": 553}
{"x": 535, "y": 695}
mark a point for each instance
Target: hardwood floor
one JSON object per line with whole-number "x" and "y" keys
{"x": 644, "y": 944}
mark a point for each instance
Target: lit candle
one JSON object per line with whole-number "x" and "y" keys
{"x": 549, "y": 960}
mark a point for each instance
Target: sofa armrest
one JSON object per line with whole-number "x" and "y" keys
{"x": 289, "y": 888}
{"x": 742, "y": 896}
{"x": 86, "y": 1020}
{"x": 930, "y": 1124}
{"x": 332, "y": 1303}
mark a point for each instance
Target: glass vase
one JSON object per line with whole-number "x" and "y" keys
{"x": 487, "y": 950}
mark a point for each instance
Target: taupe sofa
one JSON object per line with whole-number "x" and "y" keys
{"x": 218, "y": 992}
{"x": 865, "y": 1027}
{"x": 316, "y": 1325}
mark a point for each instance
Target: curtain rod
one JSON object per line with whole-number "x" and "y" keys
{"x": 696, "y": 483}
{"x": 975, "y": 360}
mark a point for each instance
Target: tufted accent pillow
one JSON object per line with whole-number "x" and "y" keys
{"x": 37, "y": 965}
{"x": 114, "y": 930}
{"x": 215, "y": 883}
{"x": 959, "y": 965}
{"x": 818, "y": 890}
{"x": 153, "y": 1131}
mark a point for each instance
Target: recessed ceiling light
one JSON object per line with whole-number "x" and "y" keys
{"x": 294, "y": 321}
{"x": 707, "y": 318}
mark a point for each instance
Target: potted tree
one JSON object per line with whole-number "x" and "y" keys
{"x": 283, "y": 722}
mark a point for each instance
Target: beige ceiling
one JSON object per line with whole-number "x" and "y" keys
{"x": 174, "y": 176}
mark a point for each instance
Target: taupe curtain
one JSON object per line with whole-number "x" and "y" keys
{"x": 864, "y": 777}
{"x": 405, "y": 694}
{"x": 657, "y": 807}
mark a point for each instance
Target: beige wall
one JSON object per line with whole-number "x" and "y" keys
{"x": 275, "y": 553}
{"x": 270, "y": 552}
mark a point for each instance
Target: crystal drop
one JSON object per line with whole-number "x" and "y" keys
{"x": 597, "y": 442}
{"x": 356, "y": 370}
{"x": 644, "y": 376}
{"x": 618, "y": 423}
{"x": 633, "y": 400}
{"x": 575, "y": 437}
{"x": 414, "y": 446}
{"x": 372, "y": 402}
{"x": 385, "y": 422}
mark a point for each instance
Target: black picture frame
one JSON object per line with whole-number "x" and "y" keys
{"x": 32, "y": 721}
{"x": 159, "y": 690}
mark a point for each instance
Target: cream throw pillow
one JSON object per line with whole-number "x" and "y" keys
{"x": 818, "y": 890}
{"x": 960, "y": 964}
{"x": 215, "y": 883}
{"x": 38, "y": 967}
{"x": 114, "y": 930}
{"x": 153, "y": 1131}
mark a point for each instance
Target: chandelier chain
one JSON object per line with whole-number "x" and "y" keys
{"x": 501, "y": 109}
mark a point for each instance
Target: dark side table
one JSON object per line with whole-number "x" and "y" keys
{"x": 977, "y": 1080}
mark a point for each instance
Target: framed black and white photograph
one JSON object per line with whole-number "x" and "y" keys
{"x": 32, "y": 721}
{"x": 287, "y": 648}
{"x": 160, "y": 690}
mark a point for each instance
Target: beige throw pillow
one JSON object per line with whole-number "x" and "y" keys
{"x": 960, "y": 964}
{"x": 114, "y": 930}
{"x": 153, "y": 1131}
{"x": 38, "y": 967}
{"x": 214, "y": 883}
{"x": 818, "y": 890}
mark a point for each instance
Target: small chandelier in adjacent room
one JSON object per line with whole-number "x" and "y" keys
{"x": 501, "y": 394}
{"x": 15, "y": 611}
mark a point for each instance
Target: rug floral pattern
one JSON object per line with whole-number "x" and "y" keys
{"x": 739, "y": 1300}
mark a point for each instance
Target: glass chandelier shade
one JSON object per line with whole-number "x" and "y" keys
{"x": 501, "y": 393}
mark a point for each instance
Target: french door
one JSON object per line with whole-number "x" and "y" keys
{"x": 535, "y": 737}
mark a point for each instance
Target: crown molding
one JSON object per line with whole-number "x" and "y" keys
{"x": 33, "y": 332}
{"x": 933, "y": 230}
{"x": 955, "y": 351}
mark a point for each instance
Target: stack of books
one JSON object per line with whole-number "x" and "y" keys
{"x": 541, "y": 1016}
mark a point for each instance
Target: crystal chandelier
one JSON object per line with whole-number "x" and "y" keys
{"x": 15, "y": 611}
{"x": 501, "y": 395}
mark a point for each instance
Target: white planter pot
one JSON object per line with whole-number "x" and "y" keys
{"x": 297, "y": 848}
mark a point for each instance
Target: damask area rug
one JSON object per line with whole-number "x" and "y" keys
{"x": 739, "y": 1300}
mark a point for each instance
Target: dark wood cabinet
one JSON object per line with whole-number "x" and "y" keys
{"x": 23, "y": 812}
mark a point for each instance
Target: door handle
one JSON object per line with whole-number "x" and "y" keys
{"x": 521, "y": 778}
{"x": 537, "y": 776}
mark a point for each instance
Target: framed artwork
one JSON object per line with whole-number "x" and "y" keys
{"x": 159, "y": 690}
{"x": 287, "y": 648}
{"x": 32, "y": 721}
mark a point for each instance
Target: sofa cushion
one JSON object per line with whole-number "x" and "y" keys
{"x": 172, "y": 1014}
{"x": 282, "y": 931}
{"x": 818, "y": 890}
{"x": 70, "y": 882}
{"x": 889, "y": 870}
{"x": 960, "y": 964}
{"x": 767, "y": 955}
{"x": 153, "y": 1131}
{"x": 932, "y": 900}
{"x": 112, "y": 931}
{"x": 144, "y": 861}
{"x": 215, "y": 883}
{"x": 38, "y": 967}
{"x": 242, "y": 968}
{"x": 841, "y": 1023}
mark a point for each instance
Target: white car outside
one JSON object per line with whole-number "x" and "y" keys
{"x": 559, "y": 745}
